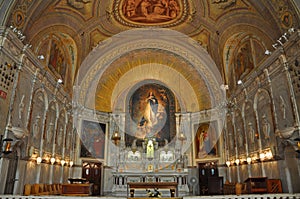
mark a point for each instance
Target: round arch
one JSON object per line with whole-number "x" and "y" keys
{"x": 99, "y": 60}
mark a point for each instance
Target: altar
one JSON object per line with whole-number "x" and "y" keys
{"x": 161, "y": 166}
{"x": 123, "y": 179}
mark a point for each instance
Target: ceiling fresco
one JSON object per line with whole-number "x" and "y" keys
{"x": 219, "y": 26}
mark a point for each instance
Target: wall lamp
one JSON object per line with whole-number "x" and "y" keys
{"x": 5, "y": 146}
{"x": 228, "y": 163}
{"x": 62, "y": 162}
{"x": 52, "y": 160}
{"x": 39, "y": 160}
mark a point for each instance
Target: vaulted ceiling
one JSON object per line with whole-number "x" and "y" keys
{"x": 221, "y": 27}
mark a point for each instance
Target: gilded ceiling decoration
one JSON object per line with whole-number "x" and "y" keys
{"x": 213, "y": 24}
{"x": 140, "y": 13}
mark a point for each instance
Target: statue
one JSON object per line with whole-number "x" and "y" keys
{"x": 240, "y": 137}
{"x": 150, "y": 149}
{"x": 36, "y": 126}
{"x": 265, "y": 126}
{"x": 49, "y": 134}
{"x": 251, "y": 133}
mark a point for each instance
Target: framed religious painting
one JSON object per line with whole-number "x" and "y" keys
{"x": 92, "y": 140}
{"x": 206, "y": 140}
{"x": 152, "y": 115}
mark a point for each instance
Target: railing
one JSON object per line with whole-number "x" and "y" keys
{"x": 251, "y": 196}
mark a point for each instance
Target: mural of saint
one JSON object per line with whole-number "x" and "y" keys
{"x": 152, "y": 114}
{"x": 244, "y": 61}
{"x": 57, "y": 61}
{"x": 205, "y": 141}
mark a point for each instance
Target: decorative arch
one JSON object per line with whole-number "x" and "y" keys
{"x": 99, "y": 60}
{"x": 59, "y": 50}
{"x": 151, "y": 73}
{"x": 242, "y": 53}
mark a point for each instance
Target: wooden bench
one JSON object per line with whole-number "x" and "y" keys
{"x": 173, "y": 186}
{"x": 42, "y": 189}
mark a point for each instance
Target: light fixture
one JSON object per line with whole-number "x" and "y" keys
{"x": 41, "y": 57}
{"x": 71, "y": 163}
{"x": 239, "y": 82}
{"x": 60, "y": 81}
{"x": 262, "y": 156}
{"x": 267, "y": 52}
{"x": 52, "y": 160}
{"x": 237, "y": 162}
{"x": 5, "y": 146}
{"x": 228, "y": 163}
{"x": 38, "y": 160}
{"x": 62, "y": 162}
{"x": 269, "y": 155}
{"x": 116, "y": 135}
{"x": 249, "y": 160}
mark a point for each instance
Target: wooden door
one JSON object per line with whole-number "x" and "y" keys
{"x": 91, "y": 171}
{"x": 207, "y": 172}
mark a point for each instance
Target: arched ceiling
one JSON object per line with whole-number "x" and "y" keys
{"x": 215, "y": 24}
{"x": 140, "y": 57}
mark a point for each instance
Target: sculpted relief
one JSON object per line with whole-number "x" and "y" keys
{"x": 151, "y": 11}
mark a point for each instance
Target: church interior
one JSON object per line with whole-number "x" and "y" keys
{"x": 150, "y": 98}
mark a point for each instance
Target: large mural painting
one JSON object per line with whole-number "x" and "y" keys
{"x": 152, "y": 112}
{"x": 57, "y": 60}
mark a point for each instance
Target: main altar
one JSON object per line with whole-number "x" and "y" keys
{"x": 151, "y": 164}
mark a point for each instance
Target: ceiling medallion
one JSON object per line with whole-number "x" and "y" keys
{"x": 145, "y": 13}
